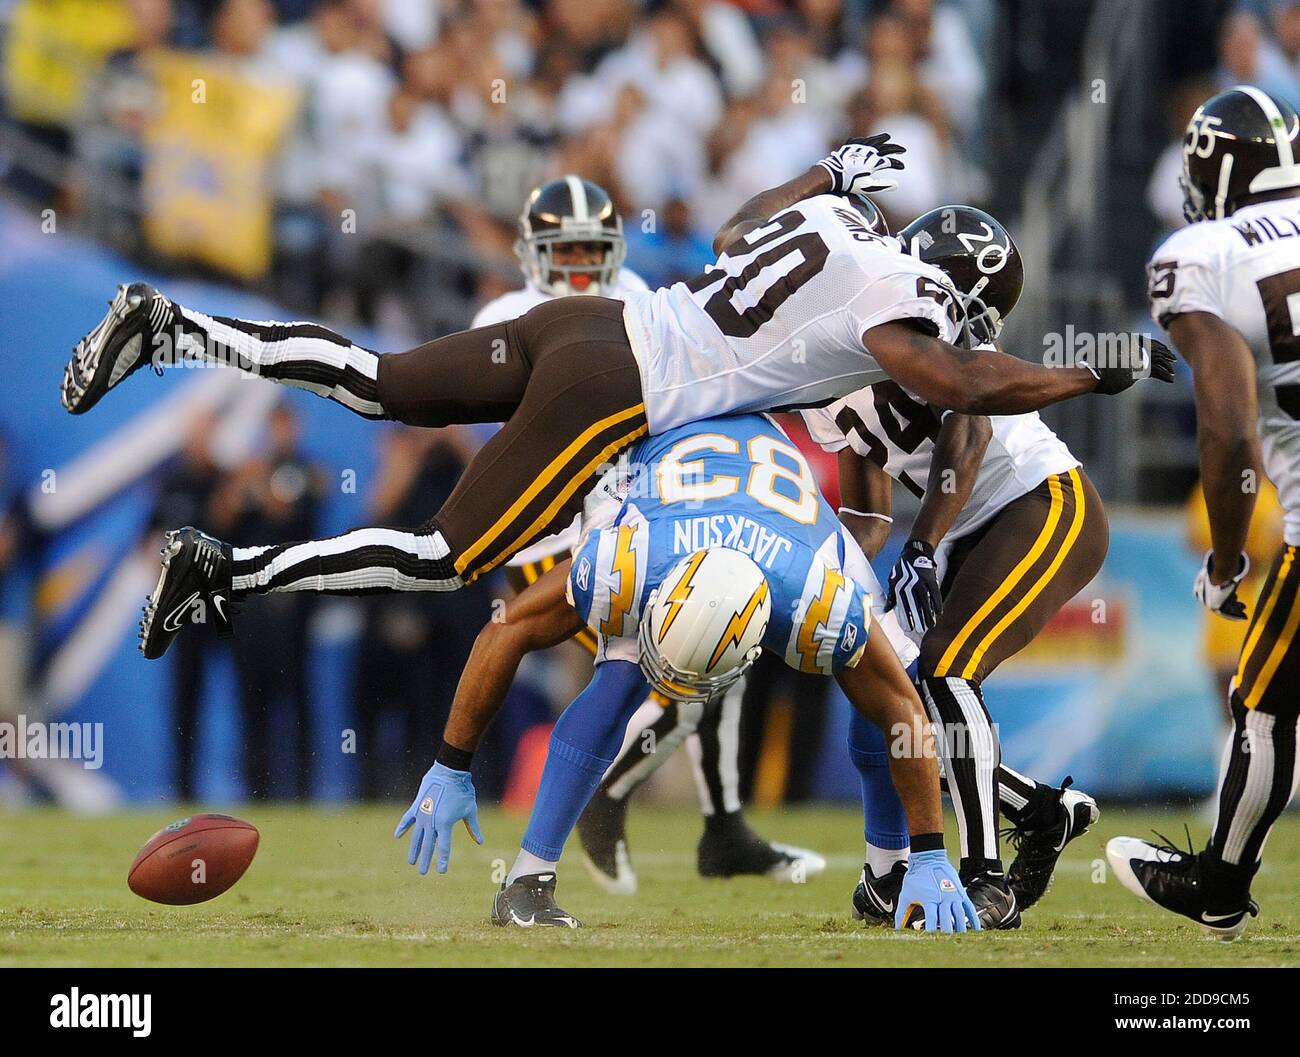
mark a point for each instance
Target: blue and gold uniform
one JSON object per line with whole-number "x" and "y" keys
{"x": 728, "y": 482}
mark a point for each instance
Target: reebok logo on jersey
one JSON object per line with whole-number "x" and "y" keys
{"x": 582, "y": 575}
{"x": 849, "y": 637}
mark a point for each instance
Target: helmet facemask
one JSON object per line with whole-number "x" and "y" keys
{"x": 982, "y": 322}
{"x": 536, "y": 252}
{"x": 672, "y": 682}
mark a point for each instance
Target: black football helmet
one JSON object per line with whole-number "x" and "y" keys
{"x": 1239, "y": 143}
{"x": 978, "y": 255}
{"x": 563, "y": 211}
{"x": 870, "y": 213}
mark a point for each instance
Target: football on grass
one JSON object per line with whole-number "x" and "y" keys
{"x": 193, "y": 859}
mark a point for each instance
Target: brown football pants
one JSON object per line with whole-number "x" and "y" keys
{"x": 565, "y": 382}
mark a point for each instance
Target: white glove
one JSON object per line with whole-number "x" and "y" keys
{"x": 861, "y": 166}
{"x": 1221, "y": 598}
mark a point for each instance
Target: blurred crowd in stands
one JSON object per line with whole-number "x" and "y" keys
{"x": 364, "y": 161}
{"x": 420, "y": 125}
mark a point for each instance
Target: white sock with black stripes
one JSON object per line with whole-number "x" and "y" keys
{"x": 364, "y": 561}
{"x": 1259, "y": 779}
{"x": 301, "y": 354}
{"x": 968, "y": 747}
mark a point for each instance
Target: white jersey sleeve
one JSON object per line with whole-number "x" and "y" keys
{"x": 820, "y": 423}
{"x": 1245, "y": 269}
{"x": 1186, "y": 274}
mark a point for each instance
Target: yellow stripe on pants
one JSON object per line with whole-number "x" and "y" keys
{"x": 543, "y": 480}
{"x": 954, "y": 649}
{"x": 1075, "y": 526}
{"x": 1276, "y": 654}
{"x": 1261, "y": 620}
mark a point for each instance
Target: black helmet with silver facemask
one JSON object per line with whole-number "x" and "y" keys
{"x": 571, "y": 214}
{"x": 978, "y": 255}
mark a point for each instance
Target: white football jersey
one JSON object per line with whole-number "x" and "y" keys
{"x": 512, "y": 305}
{"x": 896, "y": 431}
{"x": 778, "y": 321}
{"x": 1245, "y": 269}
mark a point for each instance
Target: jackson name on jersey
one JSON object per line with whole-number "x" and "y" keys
{"x": 732, "y": 482}
{"x": 896, "y": 430}
{"x": 778, "y": 321}
{"x": 1245, "y": 269}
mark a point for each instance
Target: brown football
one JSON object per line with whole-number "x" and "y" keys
{"x": 193, "y": 859}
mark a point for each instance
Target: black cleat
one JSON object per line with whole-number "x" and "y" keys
{"x": 1038, "y": 849}
{"x": 530, "y": 903}
{"x": 876, "y": 898}
{"x": 1171, "y": 878}
{"x": 193, "y": 587}
{"x": 118, "y": 347}
{"x": 995, "y": 902}
{"x": 729, "y": 848}
{"x": 602, "y": 828}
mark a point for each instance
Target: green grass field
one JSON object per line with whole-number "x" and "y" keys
{"x": 333, "y": 888}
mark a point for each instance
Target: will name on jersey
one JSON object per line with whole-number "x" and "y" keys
{"x": 1245, "y": 269}
{"x": 734, "y": 482}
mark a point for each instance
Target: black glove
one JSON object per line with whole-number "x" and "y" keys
{"x": 1154, "y": 359}
{"x": 914, "y": 587}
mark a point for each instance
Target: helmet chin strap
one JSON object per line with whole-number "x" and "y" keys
{"x": 1221, "y": 196}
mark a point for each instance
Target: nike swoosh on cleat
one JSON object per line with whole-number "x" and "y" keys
{"x": 881, "y": 905}
{"x": 1217, "y": 919}
{"x": 173, "y": 619}
{"x": 523, "y": 923}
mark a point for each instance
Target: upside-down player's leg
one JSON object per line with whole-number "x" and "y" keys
{"x": 585, "y": 741}
{"x": 581, "y": 404}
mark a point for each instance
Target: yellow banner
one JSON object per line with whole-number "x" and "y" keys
{"x": 209, "y": 161}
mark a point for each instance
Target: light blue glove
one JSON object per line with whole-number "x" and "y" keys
{"x": 932, "y": 885}
{"x": 445, "y": 798}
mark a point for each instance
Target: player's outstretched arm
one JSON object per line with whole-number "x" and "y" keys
{"x": 958, "y": 453}
{"x": 537, "y": 618}
{"x": 989, "y": 382}
{"x": 860, "y": 167}
{"x": 959, "y": 449}
{"x": 879, "y": 689}
{"x": 1223, "y": 373}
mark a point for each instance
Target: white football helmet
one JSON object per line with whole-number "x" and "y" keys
{"x": 704, "y": 624}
